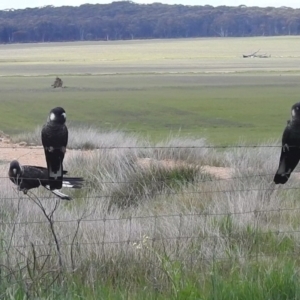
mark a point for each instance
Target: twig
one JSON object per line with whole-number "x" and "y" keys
{"x": 74, "y": 237}
{"x": 49, "y": 217}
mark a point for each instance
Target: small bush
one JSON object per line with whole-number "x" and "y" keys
{"x": 148, "y": 183}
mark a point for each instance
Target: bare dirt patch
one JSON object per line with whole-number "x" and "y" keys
{"x": 25, "y": 155}
{"x": 219, "y": 172}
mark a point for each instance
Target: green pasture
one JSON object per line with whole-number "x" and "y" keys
{"x": 224, "y": 108}
{"x": 195, "y": 87}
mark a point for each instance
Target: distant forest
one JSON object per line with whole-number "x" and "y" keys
{"x": 128, "y": 20}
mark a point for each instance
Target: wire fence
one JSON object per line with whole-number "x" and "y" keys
{"x": 156, "y": 236}
{"x": 153, "y": 220}
{"x": 194, "y": 249}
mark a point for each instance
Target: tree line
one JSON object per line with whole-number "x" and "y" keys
{"x": 129, "y": 20}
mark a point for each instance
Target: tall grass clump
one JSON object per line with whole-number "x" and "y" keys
{"x": 153, "y": 222}
{"x": 196, "y": 151}
{"x": 31, "y": 138}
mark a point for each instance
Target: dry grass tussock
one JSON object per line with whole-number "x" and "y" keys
{"x": 130, "y": 218}
{"x": 84, "y": 138}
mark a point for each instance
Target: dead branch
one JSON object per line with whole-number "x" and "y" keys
{"x": 255, "y": 54}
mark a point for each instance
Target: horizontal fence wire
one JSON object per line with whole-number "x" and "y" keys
{"x": 212, "y": 179}
{"x": 162, "y": 216}
{"x": 158, "y": 239}
{"x": 171, "y": 193}
{"x": 153, "y": 147}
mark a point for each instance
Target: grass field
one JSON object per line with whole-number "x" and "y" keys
{"x": 151, "y": 222}
{"x": 200, "y": 87}
{"x": 224, "y": 108}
